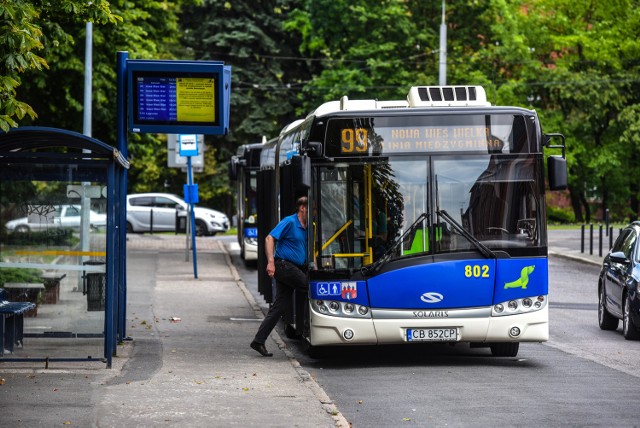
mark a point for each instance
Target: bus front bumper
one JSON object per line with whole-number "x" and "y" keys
{"x": 527, "y": 327}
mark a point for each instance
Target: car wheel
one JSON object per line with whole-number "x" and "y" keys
{"x": 129, "y": 228}
{"x": 629, "y": 329}
{"x": 22, "y": 228}
{"x": 605, "y": 319}
{"x": 505, "y": 349}
{"x": 201, "y": 228}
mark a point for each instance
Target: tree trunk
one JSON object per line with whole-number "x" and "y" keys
{"x": 574, "y": 196}
{"x": 587, "y": 209}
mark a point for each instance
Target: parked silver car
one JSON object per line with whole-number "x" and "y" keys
{"x": 46, "y": 217}
{"x": 164, "y": 209}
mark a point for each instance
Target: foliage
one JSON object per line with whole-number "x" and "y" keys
{"x": 377, "y": 51}
{"x": 19, "y": 275}
{"x": 28, "y": 30}
{"x": 267, "y": 75}
{"x": 576, "y": 63}
{"x": 560, "y": 215}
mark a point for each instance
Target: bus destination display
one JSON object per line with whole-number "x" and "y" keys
{"x": 422, "y": 139}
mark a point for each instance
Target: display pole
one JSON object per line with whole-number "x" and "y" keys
{"x": 193, "y": 218}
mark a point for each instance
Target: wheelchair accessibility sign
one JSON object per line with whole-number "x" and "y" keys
{"x": 328, "y": 289}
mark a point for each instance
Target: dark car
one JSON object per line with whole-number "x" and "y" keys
{"x": 619, "y": 283}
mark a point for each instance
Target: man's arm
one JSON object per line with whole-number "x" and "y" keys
{"x": 269, "y": 250}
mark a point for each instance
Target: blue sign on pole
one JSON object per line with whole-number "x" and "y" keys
{"x": 191, "y": 193}
{"x": 188, "y": 144}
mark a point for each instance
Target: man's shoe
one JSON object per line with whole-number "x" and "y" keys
{"x": 261, "y": 349}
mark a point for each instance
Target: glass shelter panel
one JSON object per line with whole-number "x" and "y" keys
{"x": 53, "y": 254}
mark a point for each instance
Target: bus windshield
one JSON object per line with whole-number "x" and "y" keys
{"x": 407, "y": 206}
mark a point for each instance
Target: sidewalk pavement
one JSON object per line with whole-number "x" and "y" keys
{"x": 567, "y": 243}
{"x": 189, "y": 362}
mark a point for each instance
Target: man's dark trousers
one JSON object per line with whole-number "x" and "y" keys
{"x": 288, "y": 277}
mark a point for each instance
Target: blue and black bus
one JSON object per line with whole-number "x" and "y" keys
{"x": 427, "y": 220}
{"x": 243, "y": 168}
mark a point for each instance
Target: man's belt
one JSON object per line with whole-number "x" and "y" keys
{"x": 302, "y": 268}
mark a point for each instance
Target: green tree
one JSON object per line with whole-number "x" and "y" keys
{"x": 267, "y": 74}
{"x": 579, "y": 66}
{"x": 367, "y": 49}
{"x": 28, "y": 31}
{"x": 147, "y": 29}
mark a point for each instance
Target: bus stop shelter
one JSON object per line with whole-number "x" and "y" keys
{"x": 62, "y": 245}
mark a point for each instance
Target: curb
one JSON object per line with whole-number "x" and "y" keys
{"x": 575, "y": 258}
{"x": 305, "y": 377}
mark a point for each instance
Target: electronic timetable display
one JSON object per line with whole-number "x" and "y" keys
{"x": 178, "y": 97}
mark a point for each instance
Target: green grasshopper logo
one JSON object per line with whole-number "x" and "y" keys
{"x": 523, "y": 280}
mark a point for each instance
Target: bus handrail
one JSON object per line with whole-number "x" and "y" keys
{"x": 335, "y": 235}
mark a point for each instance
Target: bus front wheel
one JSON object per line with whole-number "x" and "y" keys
{"x": 317, "y": 352}
{"x": 505, "y": 349}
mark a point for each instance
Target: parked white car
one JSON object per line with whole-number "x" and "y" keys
{"x": 167, "y": 208}
{"x": 45, "y": 217}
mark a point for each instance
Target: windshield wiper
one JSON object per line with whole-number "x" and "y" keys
{"x": 461, "y": 230}
{"x": 375, "y": 266}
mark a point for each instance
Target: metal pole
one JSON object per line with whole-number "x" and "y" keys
{"x": 582, "y": 239}
{"x": 591, "y": 239}
{"x": 610, "y": 238}
{"x": 85, "y": 202}
{"x": 443, "y": 50}
{"x": 600, "y": 241}
{"x": 88, "y": 77}
{"x": 121, "y": 140}
{"x": 193, "y": 219}
{"x": 187, "y": 227}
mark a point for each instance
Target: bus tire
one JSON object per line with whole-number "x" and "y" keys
{"x": 290, "y": 331}
{"x": 316, "y": 352}
{"x": 505, "y": 349}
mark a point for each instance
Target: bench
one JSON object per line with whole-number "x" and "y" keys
{"x": 12, "y": 322}
{"x": 25, "y": 292}
{"x": 51, "y": 282}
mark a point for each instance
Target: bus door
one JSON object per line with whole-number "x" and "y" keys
{"x": 352, "y": 229}
{"x": 341, "y": 226}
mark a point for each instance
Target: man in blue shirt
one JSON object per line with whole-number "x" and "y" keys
{"x": 286, "y": 251}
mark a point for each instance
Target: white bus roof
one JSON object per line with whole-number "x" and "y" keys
{"x": 418, "y": 97}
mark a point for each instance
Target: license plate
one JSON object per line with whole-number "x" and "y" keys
{"x": 432, "y": 335}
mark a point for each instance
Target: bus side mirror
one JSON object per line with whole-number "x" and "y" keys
{"x": 233, "y": 168}
{"x": 313, "y": 149}
{"x": 557, "y": 168}
{"x": 302, "y": 171}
